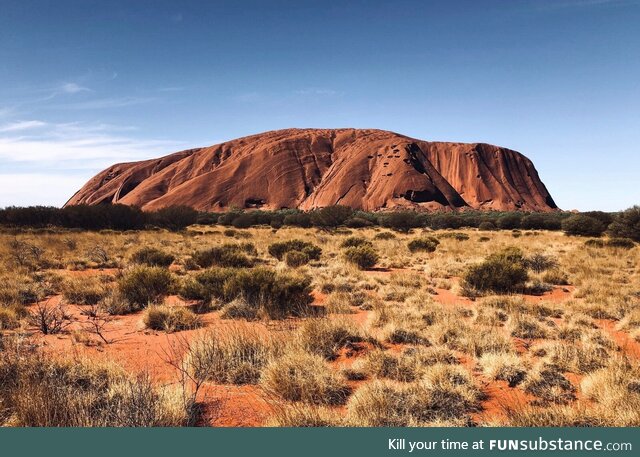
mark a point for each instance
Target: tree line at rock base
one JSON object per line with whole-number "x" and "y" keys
{"x": 625, "y": 224}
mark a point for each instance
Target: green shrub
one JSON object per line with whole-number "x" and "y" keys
{"x": 503, "y": 272}
{"x": 227, "y": 255}
{"x": 622, "y": 243}
{"x": 358, "y": 222}
{"x": 539, "y": 262}
{"x": 627, "y": 224}
{"x": 458, "y": 236}
{"x": 170, "y": 318}
{"x": 295, "y": 259}
{"x": 325, "y": 337}
{"x": 9, "y": 318}
{"x": 429, "y": 244}
{"x": 364, "y": 257}
{"x": 235, "y": 355}
{"x": 152, "y": 257}
{"x": 581, "y": 225}
{"x": 280, "y": 248}
{"x": 401, "y": 221}
{"x": 44, "y": 391}
{"x": 354, "y": 241}
{"x": 276, "y": 294}
{"x": 594, "y": 243}
{"x": 299, "y": 376}
{"x": 385, "y": 236}
{"x": 509, "y": 222}
{"x": 239, "y": 309}
{"x": 142, "y": 286}
{"x": 556, "y": 277}
{"x": 487, "y": 226}
{"x": 84, "y": 291}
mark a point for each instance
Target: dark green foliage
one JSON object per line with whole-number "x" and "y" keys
{"x": 331, "y": 216}
{"x": 581, "y": 225}
{"x": 353, "y": 241}
{"x": 487, "y": 226}
{"x": 358, "y": 222}
{"x": 622, "y": 243}
{"x": 275, "y": 293}
{"x": 539, "y": 262}
{"x": 173, "y": 217}
{"x": 364, "y": 257}
{"x": 298, "y": 219}
{"x": 152, "y": 257}
{"x": 427, "y": 244}
{"x": 142, "y": 286}
{"x": 446, "y": 221}
{"x": 227, "y": 255}
{"x": 595, "y": 243}
{"x": 509, "y": 222}
{"x": 385, "y": 236}
{"x": 502, "y": 272}
{"x": 627, "y": 224}
{"x": 295, "y": 259}
{"x": 402, "y": 221}
{"x": 458, "y": 236}
{"x": 280, "y": 248}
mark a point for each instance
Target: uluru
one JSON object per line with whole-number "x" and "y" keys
{"x": 365, "y": 169}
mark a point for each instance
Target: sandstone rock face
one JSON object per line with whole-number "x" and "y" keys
{"x": 311, "y": 168}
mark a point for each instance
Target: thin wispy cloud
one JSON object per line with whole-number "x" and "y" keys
{"x": 171, "y": 89}
{"x": 107, "y": 103}
{"x": 21, "y": 125}
{"x": 316, "y": 91}
{"x": 73, "y": 88}
{"x": 78, "y": 146}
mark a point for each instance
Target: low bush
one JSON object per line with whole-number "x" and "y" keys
{"x": 445, "y": 396}
{"x": 170, "y": 318}
{"x": 295, "y": 259}
{"x": 152, "y": 257}
{"x": 363, "y": 257}
{"x": 40, "y": 391}
{"x": 235, "y": 355}
{"x": 503, "y": 272}
{"x": 325, "y": 337}
{"x": 622, "y": 243}
{"x": 280, "y": 248}
{"x": 548, "y": 384}
{"x": 227, "y": 255}
{"x": 503, "y": 367}
{"x": 355, "y": 241}
{"x": 487, "y": 226}
{"x": 429, "y": 244}
{"x": 626, "y": 224}
{"x": 556, "y": 277}
{"x": 276, "y": 294}
{"x": 299, "y": 376}
{"x": 595, "y": 243}
{"x": 581, "y": 225}
{"x": 84, "y": 291}
{"x": 539, "y": 262}
{"x": 458, "y": 236}
{"x": 142, "y": 285}
{"x": 239, "y": 309}
{"x": 385, "y": 236}
{"x": 9, "y": 318}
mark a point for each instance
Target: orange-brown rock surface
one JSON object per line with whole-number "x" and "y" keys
{"x": 311, "y": 168}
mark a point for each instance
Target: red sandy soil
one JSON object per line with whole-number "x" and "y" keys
{"x": 143, "y": 351}
{"x": 312, "y": 168}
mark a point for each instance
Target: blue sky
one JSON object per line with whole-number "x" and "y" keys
{"x": 84, "y": 84}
